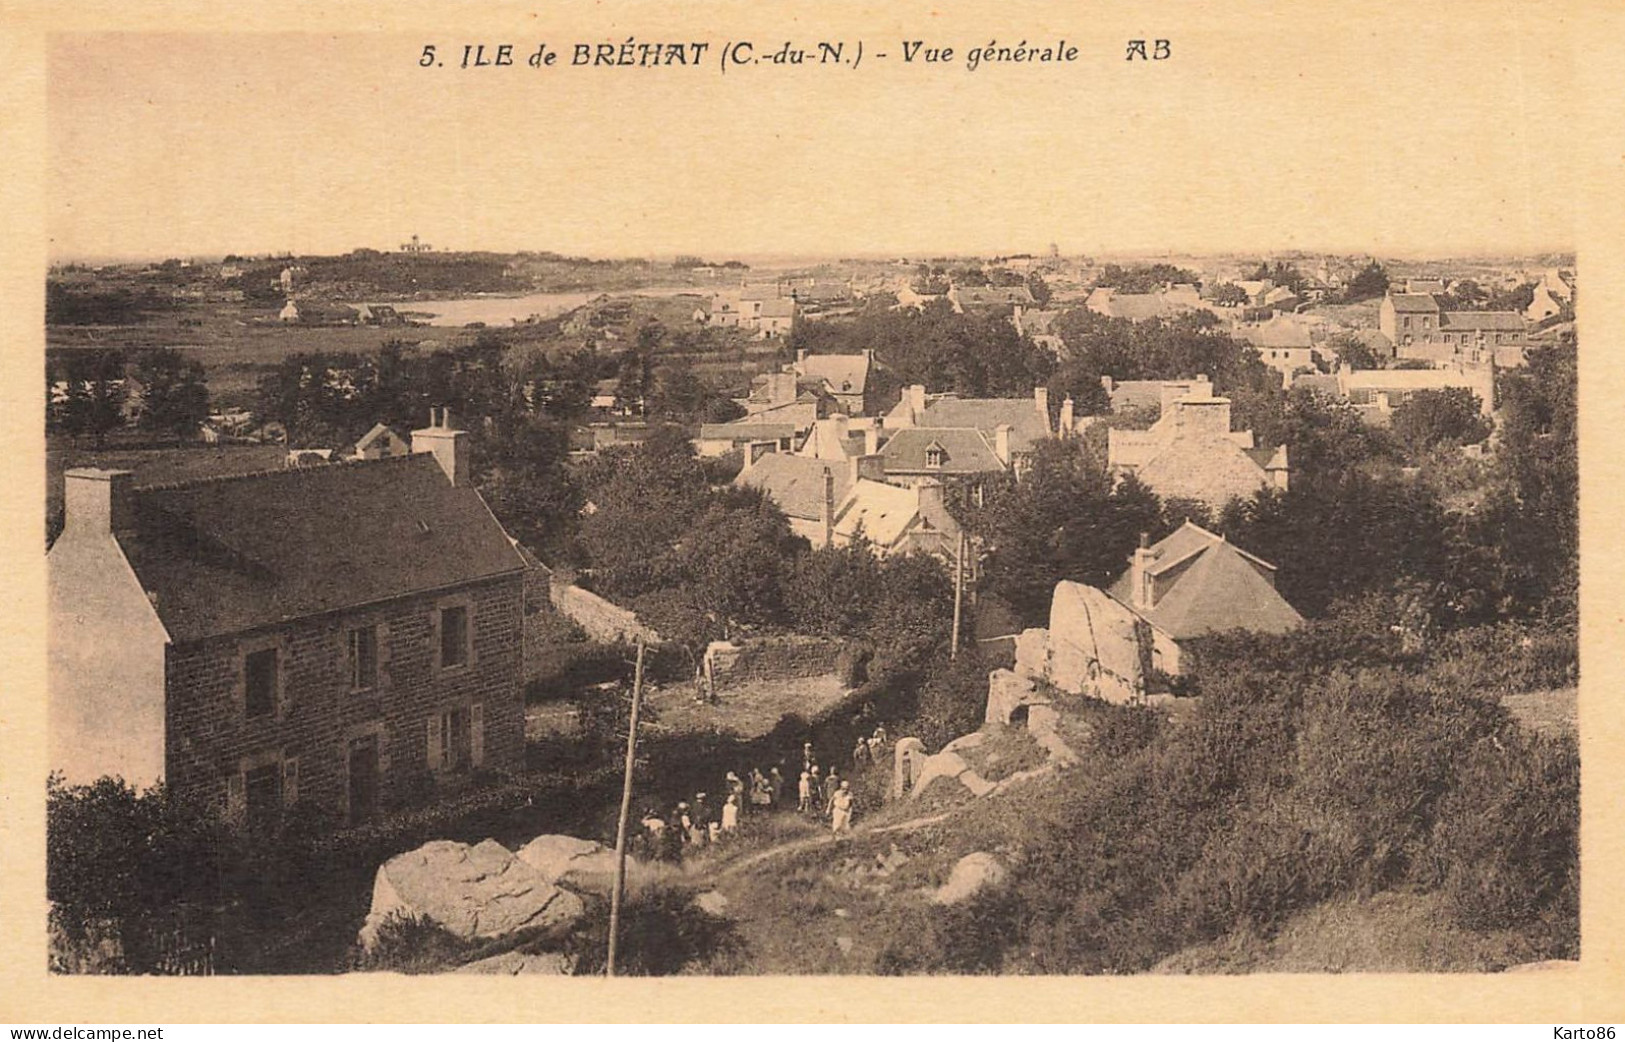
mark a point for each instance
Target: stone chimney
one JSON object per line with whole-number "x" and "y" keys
{"x": 801, "y": 358}
{"x": 1141, "y": 584}
{"x": 871, "y": 438}
{"x": 1001, "y": 443}
{"x": 916, "y": 400}
{"x": 930, "y": 497}
{"x": 1068, "y": 421}
{"x": 1108, "y": 385}
{"x": 1209, "y": 417}
{"x": 449, "y": 446}
{"x": 1041, "y": 403}
{"x": 868, "y": 468}
{"x": 97, "y": 502}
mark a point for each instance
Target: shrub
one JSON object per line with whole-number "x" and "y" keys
{"x": 413, "y": 944}
{"x": 1507, "y": 843}
{"x": 662, "y": 933}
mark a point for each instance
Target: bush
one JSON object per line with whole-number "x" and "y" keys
{"x": 662, "y": 933}
{"x": 1507, "y": 844}
{"x": 413, "y": 944}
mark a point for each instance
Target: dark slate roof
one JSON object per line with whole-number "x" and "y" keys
{"x": 1215, "y": 586}
{"x": 744, "y": 430}
{"x": 1491, "y": 320}
{"x": 986, "y": 414}
{"x": 233, "y": 554}
{"x": 1414, "y": 303}
{"x": 796, "y": 483}
{"x": 968, "y": 451}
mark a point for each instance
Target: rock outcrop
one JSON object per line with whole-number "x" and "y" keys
{"x": 971, "y": 874}
{"x": 479, "y": 892}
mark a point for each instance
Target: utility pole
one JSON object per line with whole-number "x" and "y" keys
{"x": 959, "y": 593}
{"x": 619, "y": 892}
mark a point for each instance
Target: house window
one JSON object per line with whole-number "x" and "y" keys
{"x": 1427, "y": 322}
{"x": 260, "y": 682}
{"x": 262, "y": 793}
{"x": 1407, "y": 321}
{"x": 454, "y": 636}
{"x": 935, "y": 457}
{"x": 457, "y": 739}
{"x": 363, "y": 658}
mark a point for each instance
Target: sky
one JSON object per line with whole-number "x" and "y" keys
{"x": 1319, "y": 130}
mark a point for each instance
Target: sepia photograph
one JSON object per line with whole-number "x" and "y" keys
{"x": 1012, "y": 492}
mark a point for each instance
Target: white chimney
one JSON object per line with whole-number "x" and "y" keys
{"x": 451, "y": 448}
{"x": 1001, "y": 443}
{"x": 916, "y": 400}
{"x": 1068, "y": 421}
{"x": 97, "y": 502}
{"x": 1140, "y": 580}
{"x": 871, "y": 438}
{"x": 1041, "y": 403}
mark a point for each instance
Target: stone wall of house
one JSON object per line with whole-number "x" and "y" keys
{"x": 210, "y": 739}
{"x": 600, "y": 619}
{"x": 771, "y": 658}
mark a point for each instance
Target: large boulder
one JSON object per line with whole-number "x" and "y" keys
{"x": 579, "y": 864}
{"x": 949, "y": 764}
{"x": 476, "y": 892}
{"x": 971, "y": 874}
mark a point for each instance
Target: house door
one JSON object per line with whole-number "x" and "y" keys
{"x": 363, "y": 772}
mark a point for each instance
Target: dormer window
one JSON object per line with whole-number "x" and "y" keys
{"x": 935, "y": 455}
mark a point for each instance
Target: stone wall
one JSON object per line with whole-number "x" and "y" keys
{"x": 209, "y": 736}
{"x": 770, "y": 658}
{"x": 600, "y": 619}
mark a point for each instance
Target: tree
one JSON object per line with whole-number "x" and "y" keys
{"x": 95, "y": 393}
{"x": 1066, "y": 519}
{"x": 175, "y": 398}
{"x": 1229, "y": 294}
{"x": 1450, "y": 415}
{"x": 1371, "y": 281}
{"x": 1353, "y": 352}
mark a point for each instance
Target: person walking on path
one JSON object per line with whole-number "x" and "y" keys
{"x": 730, "y": 815}
{"x": 806, "y": 756}
{"x": 832, "y": 785}
{"x": 804, "y": 792}
{"x": 701, "y": 814}
{"x": 761, "y": 793}
{"x": 860, "y": 754}
{"x": 775, "y": 784}
{"x": 736, "y": 789}
{"x": 840, "y": 814}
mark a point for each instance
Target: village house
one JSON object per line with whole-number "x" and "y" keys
{"x": 1127, "y": 396}
{"x": 1553, "y": 293}
{"x": 1420, "y": 329}
{"x": 980, "y": 298}
{"x": 805, "y": 489}
{"x": 1117, "y": 644}
{"x": 894, "y": 519}
{"x": 841, "y": 437}
{"x": 1194, "y": 583}
{"x": 1110, "y": 302}
{"x": 330, "y": 636}
{"x": 1283, "y": 343}
{"x": 1376, "y": 392}
{"x": 845, "y": 378}
{"x": 719, "y": 439}
{"x": 1191, "y": 453}
{"x": 381, "y": 443}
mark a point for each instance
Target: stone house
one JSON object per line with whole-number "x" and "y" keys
{"x": 1191, "y": 453}
{"x": 329, "y": 636}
